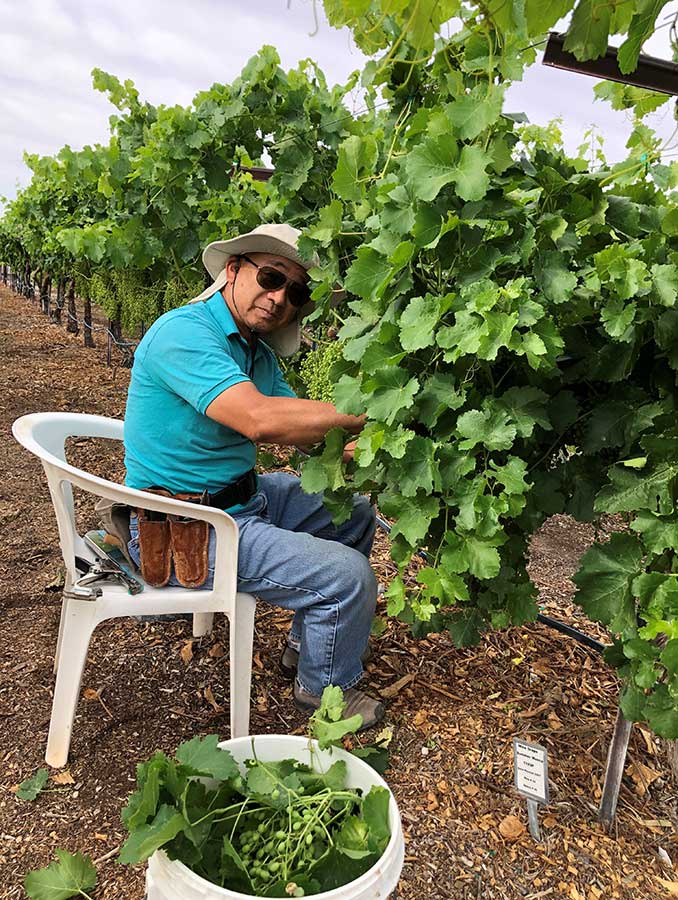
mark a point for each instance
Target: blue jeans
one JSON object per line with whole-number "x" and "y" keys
{"x": 291, "y": 555}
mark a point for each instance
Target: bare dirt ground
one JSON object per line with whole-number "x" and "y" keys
{"x": 453, "y": 712}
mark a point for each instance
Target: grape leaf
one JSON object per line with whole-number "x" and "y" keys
{"x": 325, "y": 472}
{"x": 465, "y": 627}
{"x": 641, "y": 27}
{"x": 417, "y": 469}
{"x": 71, "y": 875}
{"x": 368, "y": 276}
{"x": 629, "y": 491}
{"x": 554, "y": 277}
{"x": 472, "y": 113}
{"x": 31, "y": 787}
{"x": 348, "y": 396}
{"x": 387, "y": 392}
{"x": 395, "y": 596}
{"x": 604, "y": 582}
{"x": 233, "y": 868}
{"x": 491, "y": 428}
{"x": 146, "y": 839}
{"x": 669, "y": 657}
{"x": 203, "y": 756}
{"x": 589, "y": 29}
{"x": 657, "y": 533}
{"x": 375, "y": 807}
{"x": 357, "y": 156}
{"x": 327, "y": 724}
{"x": 418, "y": 321}
{"x": 483, "y": 558}
{"x": 431, "y": 166}
{"x": 526, "y": 407}
{"x": 665, "y": 280}
{"x": 469, "y": 175}
{"x": 329, "y": 224}
{"x": 413, "y": 515}
{"x": 617, "y": 317}
{"x": 661, "y": 711}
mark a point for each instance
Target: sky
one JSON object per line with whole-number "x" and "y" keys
{"x": 172, "y": 50}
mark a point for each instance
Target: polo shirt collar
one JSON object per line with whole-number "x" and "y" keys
{"x": 222, "y": 314}
{"x": 224, "y": 317}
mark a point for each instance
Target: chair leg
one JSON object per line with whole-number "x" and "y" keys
{"x": 202, "y": 624}
{"x": 62, "y": 619}
{"x": 78, "y": 624}
{"x": 241, "y": 638}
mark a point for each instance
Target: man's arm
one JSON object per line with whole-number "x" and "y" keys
{"x": 278, "y": 420}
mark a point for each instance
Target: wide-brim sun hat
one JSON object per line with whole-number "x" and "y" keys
{"x": 278, "y": 240}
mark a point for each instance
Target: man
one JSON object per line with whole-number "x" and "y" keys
{"x": 205, "y": 389}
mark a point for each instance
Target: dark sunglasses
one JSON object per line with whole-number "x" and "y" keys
{"x": 272, "y": 279}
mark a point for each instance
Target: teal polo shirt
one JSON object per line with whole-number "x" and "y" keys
{"x": 186, "y": 359}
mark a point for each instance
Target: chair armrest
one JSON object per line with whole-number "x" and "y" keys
{"x": 225, "y": 527}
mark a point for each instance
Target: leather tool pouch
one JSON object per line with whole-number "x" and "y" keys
{"x": 155, "y": 551}
{"x": 164, "y": 540}
{"x": 190, "y": 545}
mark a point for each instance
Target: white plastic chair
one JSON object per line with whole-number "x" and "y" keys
{"x": 44, "y": 434}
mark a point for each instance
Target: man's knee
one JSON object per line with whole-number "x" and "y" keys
{"x": 363, "y": 580}
{"x": 362, "y": 507}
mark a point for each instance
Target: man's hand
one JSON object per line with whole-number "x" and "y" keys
{"x": 349, "y": 451}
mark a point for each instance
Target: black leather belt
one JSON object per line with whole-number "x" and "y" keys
{"x": 239, "y": 491}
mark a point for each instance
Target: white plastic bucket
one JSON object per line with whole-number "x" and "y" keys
{"x": 171, "y": 880}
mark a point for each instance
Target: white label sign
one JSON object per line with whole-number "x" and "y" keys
{"x": 531, "y": 770}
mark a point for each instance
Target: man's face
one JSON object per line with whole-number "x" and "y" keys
{"x": 259, "y": 309}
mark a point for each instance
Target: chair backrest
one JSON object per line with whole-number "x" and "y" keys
{"x": 45, "y": 434}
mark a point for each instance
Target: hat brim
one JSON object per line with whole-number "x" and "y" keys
{"x": 216, "y": 255}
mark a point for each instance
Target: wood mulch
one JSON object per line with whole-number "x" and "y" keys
{"x": 453, "y": 713}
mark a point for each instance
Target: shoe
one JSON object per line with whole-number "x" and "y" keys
{"x": 289, "y": 660}
{"x": 372, "y": 711}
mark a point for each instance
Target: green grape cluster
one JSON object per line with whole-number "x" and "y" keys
{"x": 315, "y": 371}
{"x": 81, "y": 282}
{"x": 275, "y": 843}
{"x": 102, "y": 293}
{"x": 179, "y": 290}
{"x": 136, "y": 302}
{"x": 175, "y": 294}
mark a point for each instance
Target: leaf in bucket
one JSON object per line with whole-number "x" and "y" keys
{"x": 338, "y": 867}
{"x": 143, "y": 842}
{"x": 71, "y": 876}
{"x": 233, "y": 869}
{"x": 143, "y": 803}
{"x": 31, "y": 787}
{"x": 205, "y": 758}
{"x": 271, "y": 782}
{"x": 375, "y": 813}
